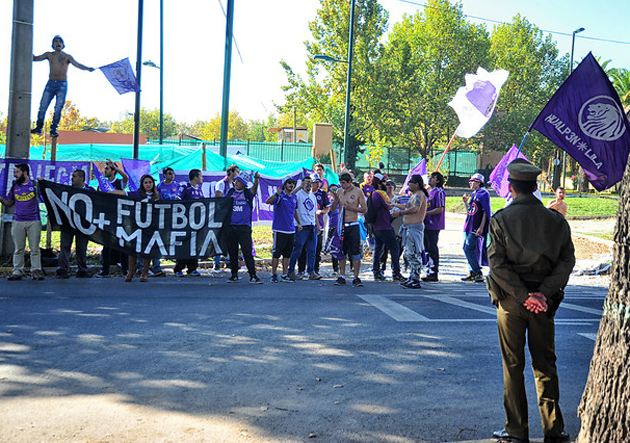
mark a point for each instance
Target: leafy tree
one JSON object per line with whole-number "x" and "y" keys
{"x": 620, "y": 78}
{"x": 321, "y": 96}
{"x": 422, "y": 67}
{"x": 536, "y": 73}
{"x": 258, "y": 129}
{"x": 237, "y": 128}
{"x": 3, "y": 129}
{"x": 72, "y": 120}
{"x": 149, "y": 124}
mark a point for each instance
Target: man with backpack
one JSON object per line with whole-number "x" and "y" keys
{"x": 240, "y": 229}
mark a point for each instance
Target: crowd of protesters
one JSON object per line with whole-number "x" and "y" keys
{"x": 311, "y": 219}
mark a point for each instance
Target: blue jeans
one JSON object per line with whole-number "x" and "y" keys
{"x": 306, "y": 237}
{"x": 471, "y": 248}
{"x": 386, "y": 239}
{"x": 156, "y": 265}
{"x": 54, "y": 88}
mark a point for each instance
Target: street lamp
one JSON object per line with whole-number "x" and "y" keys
{"x": 151, "y": 64}
{"x": 328, "y": 58}
{"x": 564, "y": 157}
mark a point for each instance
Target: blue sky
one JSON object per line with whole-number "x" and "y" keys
{"x": 265, "y": 31}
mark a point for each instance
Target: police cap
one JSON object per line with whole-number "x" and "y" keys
{"x": 524, "y": 171}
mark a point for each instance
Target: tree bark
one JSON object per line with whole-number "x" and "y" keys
{"x": 605, "y": 405}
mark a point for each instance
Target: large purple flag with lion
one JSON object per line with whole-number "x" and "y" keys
{"x": 586, "y": 119}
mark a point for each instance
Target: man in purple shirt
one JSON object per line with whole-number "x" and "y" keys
{"x": 283, "y": 226}
{"x": 191, "y": 191}
{"x": 384, "y": 235}
{"x": 169, "y": 189}
{"x": 240, "y": 229}
{"x": 26, "y": 222}
{"x": 476, "y": 228}
{"x": 434, "y": 222}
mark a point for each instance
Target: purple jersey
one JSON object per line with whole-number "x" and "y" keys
{"x": 478, "y": 205}
{"x": 241, "y": 211}
{"x": 169, "y": 192}
{"x": 322, "y": 203}
{"x": 284, "y": 213}
{"x": 191, "y": 193}
{"x": 437, "y": 199}
{"x": 26, "y": 201}
{"x": 367, "y": 189}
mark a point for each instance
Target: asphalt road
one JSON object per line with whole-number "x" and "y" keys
{"x": 198, "y": 359}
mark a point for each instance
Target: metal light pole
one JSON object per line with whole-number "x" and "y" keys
{"x": 161, "y": 71}
{"x": 328, "y": 58}
{"x": 227, "y": 72}
{"x": 151, "y": 64}
{"x": 564, "y": 156}
{"x": 136, "y": 115}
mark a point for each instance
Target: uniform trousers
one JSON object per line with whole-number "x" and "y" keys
{"x": 518, "y": 326}
{"x": 81, "y": 244}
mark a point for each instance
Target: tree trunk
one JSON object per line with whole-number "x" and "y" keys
{"x": 583, "y": 183}
{"x": 605, "y": 405}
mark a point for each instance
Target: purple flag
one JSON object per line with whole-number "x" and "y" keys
{"x": 499, "y": 175}
{"x": 419, "y": 169}
{"x": 135, "y": 169}
{"x": 586, "y": 119}
{"x": 120, "y": 75}
{"x": 103, "y": 184}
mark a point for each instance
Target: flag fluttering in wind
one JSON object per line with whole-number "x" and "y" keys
{"x": 103, "y": 184}
{"x": 121, "y": 76}
{"x": 419, "y": 169}
{"x": 586, "y": 119}
{"x": 475, "y": 102}
{"x": 499, "y": 175}
{"x": 135, "y": 169}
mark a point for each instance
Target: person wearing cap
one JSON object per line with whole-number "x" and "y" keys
{"x": 434, "y": 222}
{"x": 191, "y": 191}
{"x": 476, "y": 227}
{"x": 307, "y": 225}
{"x": 384, "y": 235}
{"x": 531, "y": 257}
{"x": 57, "y": 85}
{"x": 323, "y": 206}
{"x": 240, "y": 228}
{"x": 284, "y": 204}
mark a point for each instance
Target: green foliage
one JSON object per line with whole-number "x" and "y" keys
{"x": 422, "y": 67}
{"x": 237, "y": 128}
{"x": 149, "y": 124}
{"x": 535, "y": 74}
{"x": 321, "y": 96}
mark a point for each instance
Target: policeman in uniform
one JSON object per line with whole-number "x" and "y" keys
{"x": 531, "y": 257}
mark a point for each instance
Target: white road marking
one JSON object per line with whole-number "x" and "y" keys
{"x": 397, "y": 311}
{"x": 463, "y": 304}
{"x": 589, "y": 336}
{"x": 597, "y": 312}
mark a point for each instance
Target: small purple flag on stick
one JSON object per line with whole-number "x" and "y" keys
{"x": 499, "y": 175}
{"x": 586, "y": 119}
{"x": 419, "y": 169}
{"x": 121, "y": 76}
{"x": 103, "y": 184}
{"x": 135, "y": 169}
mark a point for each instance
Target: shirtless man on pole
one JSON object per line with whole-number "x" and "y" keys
{"x": 57, "y": 85}
{"x": 413, "y": 214}
{"x": 352, "y": 201}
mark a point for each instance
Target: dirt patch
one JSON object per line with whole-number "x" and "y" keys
{"x": 588, "y": 249}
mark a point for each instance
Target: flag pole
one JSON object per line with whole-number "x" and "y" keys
{"x": 446, "y": 150}
{"x": 523, "y": 141}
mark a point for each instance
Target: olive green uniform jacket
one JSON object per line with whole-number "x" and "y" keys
{"x": 529, "y": 243}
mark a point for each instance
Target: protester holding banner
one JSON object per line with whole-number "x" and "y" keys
{"x": 147, "y": 193}
{"x": 284, "y": 204}
{"x": 26, "y": 222}
{"x": 476, "y": 228}
{"x": 191, "y": 191}
{"x": 81, "y": 240}
{"x": 434, "y": 222}
{"x": 108, "y": 182}
{"x": 227, "y": 182}
{"x": 240, "y": 229}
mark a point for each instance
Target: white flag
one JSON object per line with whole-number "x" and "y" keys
{"x": 474, "y": 103}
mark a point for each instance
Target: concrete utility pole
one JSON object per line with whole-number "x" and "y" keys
{"x": 19, "y": 116}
